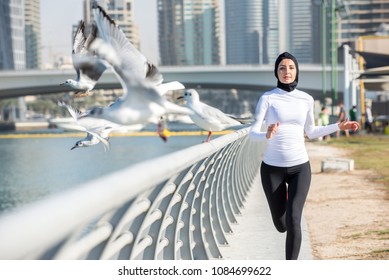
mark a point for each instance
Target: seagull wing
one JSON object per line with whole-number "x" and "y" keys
{"x": 106, "y": 131}
{"x": 72, "y": 111}
{"x": 96, "y": 67}
{"x": 97, "y": 135}
{"x": 79, "y": 38}
{"x": 215, "y": 116}
{"x": 75, "y": 114}
{"x": 165, "y": 87}
{"x": 89, "y": 68}
{"x": 143, "y": 92}
{"x": 131, "y": 59}
{"x": 78, "y": 44}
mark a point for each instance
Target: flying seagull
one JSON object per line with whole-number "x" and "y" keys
{"x": 141, "y": 101}
{"x": 89, "y": 73}
{"x": 97, "y": 130}
{"x": 131, "y": 57}
{"x": 207, "y": 117}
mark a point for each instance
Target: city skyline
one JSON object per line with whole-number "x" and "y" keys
{"x": 301, "y": 37}
{"x": 190, "y": 32}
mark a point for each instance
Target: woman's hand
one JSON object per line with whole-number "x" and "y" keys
{"x": 347, "y": 125}
{"x": 271, "y": 130}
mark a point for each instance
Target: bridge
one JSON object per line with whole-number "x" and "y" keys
{"x": 257, "y": 77}
{"x": 189, "y": 207}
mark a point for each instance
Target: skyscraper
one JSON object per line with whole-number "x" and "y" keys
{"x": 300, "y": 29}
{"x": 244, "y": 31}
{"x": 12, "y": 44}
{"x": 252, "y": 31}
{"x": 274, "y": 24}
{"x": 257, "y": 31}
{"x": 189, "y": 32}
{"x": 33, "y": 34}
{"x": 360, "y": 18}
{"x": 352, "y": 20}
{"x": 6, "y": 61}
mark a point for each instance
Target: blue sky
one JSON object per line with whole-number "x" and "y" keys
{"x": 57, "y": 18}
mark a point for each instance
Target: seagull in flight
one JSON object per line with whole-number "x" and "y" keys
{"x": 141, "y": 101}
{"x": 91, "y": 140}
{"x": 131, "y": 57}
{"x": 89, "y": 73}
{"x": 97, "y": 130}
{"x": 207, "y": 117}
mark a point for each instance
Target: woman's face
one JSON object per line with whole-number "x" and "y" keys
{"x": 286, "y": 71}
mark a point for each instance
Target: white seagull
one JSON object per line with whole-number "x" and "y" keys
{"x": 141, "y": 101}
{"x": 133, "y": 60}
{"x": 89, "y": 73}
{"x": 97, "y": 130}
{"x": 207, "y": 117}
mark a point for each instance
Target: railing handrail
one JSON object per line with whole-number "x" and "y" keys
{"x": 21, "y": 231}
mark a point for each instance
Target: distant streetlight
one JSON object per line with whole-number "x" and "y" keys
{"x": 323, "y": 4}
{"x": 339, "y": 10}
{"x": 334, "y": 55}
{"x": 324, "y": 49}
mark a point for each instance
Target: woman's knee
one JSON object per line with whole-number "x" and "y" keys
{"x": 280, "y": 224}
{"x": 293, "y": 223}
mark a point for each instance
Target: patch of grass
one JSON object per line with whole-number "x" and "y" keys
{"x": 369, "y": 152}
{"x": 381, "y": 251}
{"x": 354, "y": 236}
{"x": 382, "y": 254}
{"x": 380, "y": 232}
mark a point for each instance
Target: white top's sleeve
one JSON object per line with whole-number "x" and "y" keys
{"x": 255, "y": 133}
{"x": 313, "y": 131}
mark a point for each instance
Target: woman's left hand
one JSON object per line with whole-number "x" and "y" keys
{"x": 349, "y": 125}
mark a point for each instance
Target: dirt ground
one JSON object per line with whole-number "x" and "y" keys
{"x": 347, "y": 214}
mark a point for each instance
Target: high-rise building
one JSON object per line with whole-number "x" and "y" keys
{"x": 6, "y": 57}
{"x": 360, "y": 18}
{"x": 189, "y": 32}
{"x": 317, "y": 29}
{"x": 33, "y": 34}
{"x": 275, "y": 38}
{"x": 122, "y": 12}
{"x": 300, "y": 29}
{"x": 352, "y": 19}
{"x": 251, "y": 29}
{"x": 244, "y": 31}
{"x": 12, "y": 44}
{"x": 257, "y": 31}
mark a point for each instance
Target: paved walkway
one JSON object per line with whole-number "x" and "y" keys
{"x": 255, "y": 237}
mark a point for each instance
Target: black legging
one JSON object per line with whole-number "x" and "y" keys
{"x": 286, "y": 189}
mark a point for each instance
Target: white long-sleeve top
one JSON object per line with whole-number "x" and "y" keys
{"x": 294, "y": 112}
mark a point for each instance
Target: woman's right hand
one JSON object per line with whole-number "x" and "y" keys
{"x": 271, "y": 130}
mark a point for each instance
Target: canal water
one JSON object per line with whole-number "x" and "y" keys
{"x": 32, "y": 168}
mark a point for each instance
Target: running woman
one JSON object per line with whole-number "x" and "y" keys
{"x": 285, "y": 169}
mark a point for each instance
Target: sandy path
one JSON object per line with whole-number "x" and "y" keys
{"x": 347, "y": 214}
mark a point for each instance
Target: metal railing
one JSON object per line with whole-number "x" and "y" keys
{"x": 179, "y": 206}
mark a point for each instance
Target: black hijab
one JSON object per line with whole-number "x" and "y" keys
{"x": 293, "y": 85}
